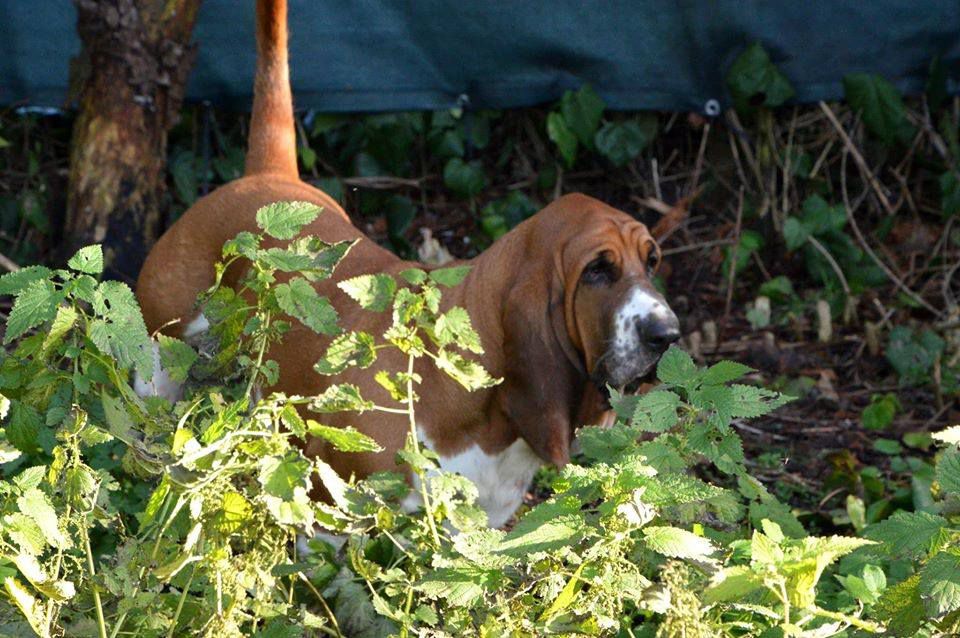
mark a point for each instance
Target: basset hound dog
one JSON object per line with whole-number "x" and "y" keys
{"x": 563, "y": 304}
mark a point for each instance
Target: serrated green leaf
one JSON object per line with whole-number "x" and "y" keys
{"x": 677, "y": 543}
{"x": 454, "y": 327}
{"x": 300, "y": 300}
{"x": 724, "y": 372}
{"x": 723, "y": 449}
{"x": 285, "y": 220}
{"x": 88, "y": 260}
{"x": 12, "y": 283}
{"x": 27, "y": 604}
{"x": 902, "y": 608}
{"x": 948, "y": 471}
{"x": 940, "y": 584}
{"x": 881, "y": 106}
{"x": 280, "y": 476}
{"x": 546, "y": 527}
{"x": 414, "y": 276}
{"x": 450, "y": 276}
{"x": 470, "y": 374}
{"x": 458, "y": 586}
{"x": 346, "y": 439}
{"x": 656, "y": 411}
{"x": 349, "y": 349}
{"x": 676, "y": 367}
{"x": 65, "y": 319}
{"x": 343, "y": 397}
{"x": 119, "y": 329}
{"x": 372, "y": 292}
{"x": 35, "y": 305}
{"x": 176, "y": 357}
{"x": 36, "y": 505}
{"x": 732, "y": 583}
{"x": 751, "y": 402}
{"x": 23, "y": 427}
{"x": 909, "y": 534}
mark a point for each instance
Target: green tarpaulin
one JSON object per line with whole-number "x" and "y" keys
{"x": 375, "y": 55}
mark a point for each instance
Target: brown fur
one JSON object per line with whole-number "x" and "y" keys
{"x": 541, "y": 330}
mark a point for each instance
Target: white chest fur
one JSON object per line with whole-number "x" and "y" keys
{"x": 501, "y": 479}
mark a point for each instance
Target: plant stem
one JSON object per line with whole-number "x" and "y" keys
{"x": 859, "y": 623}
{"x": 414, "y": 442}
{"x": 262, "y": 351}
{"x": 183, "y": 599}
{"x": 101, "y": 624}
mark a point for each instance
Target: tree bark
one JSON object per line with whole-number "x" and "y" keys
{"x": 129, "y": 81}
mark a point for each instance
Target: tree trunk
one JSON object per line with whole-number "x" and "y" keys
{"x": 129, "y": 81}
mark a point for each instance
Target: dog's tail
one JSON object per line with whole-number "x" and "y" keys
{"x": 272, "y": 143}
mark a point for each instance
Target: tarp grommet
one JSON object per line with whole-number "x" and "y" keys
{"x": 711, "y": 108}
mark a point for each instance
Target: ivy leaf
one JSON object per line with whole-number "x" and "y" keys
{"x": 465, "y": 179}
{"x": 677, "y": 543}
{"x": 36, "y": 304}
{"x": 88, "y": 260}
{"x": 676, "y": 367}
{"x": 300, "y": 300}
{"x": 754, "y": 81}
{"x": 345, "y": 439}
{"x": 881, "y": 106}
{"x": 581, "y": 111}
{"x": 449, "y": 277}
{"x": 563, "y": 137}
{"x": 176, "y": 357}
{"x": 349, "y": 349}
{"x": 372, "y": 292}
{"x": 940, "y": 584}
{"x": 344, "y": 397}
{"x": 285, "y": 220}
{"x": 621, "y": 142}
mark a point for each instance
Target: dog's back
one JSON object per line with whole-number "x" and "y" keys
{"x": 181, "y": 264}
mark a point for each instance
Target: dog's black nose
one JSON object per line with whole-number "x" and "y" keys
{"x": 658, "y": 335}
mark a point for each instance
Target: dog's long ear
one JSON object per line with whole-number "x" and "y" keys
{"x": 540, "y": 393}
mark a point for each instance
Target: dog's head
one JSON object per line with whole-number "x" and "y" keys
{"x": 615, "y": 317}
{"x": 603, "y": 321}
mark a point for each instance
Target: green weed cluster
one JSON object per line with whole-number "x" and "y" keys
{"x": 122, "y": 516}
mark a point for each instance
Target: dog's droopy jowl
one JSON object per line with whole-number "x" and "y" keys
{"x": 563, "y": 305}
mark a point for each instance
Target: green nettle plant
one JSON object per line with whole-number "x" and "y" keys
{"x": 122, "y": 516}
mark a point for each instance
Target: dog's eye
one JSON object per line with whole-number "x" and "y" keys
{"x": 653, "y": 261}
{"x": 599, "y": 271}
